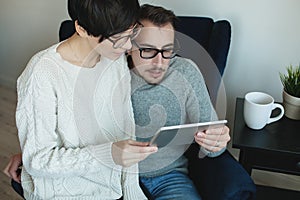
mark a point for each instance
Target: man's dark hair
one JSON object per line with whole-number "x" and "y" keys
{"x": 159, "y": 16}
{"x": 104, "y": 17}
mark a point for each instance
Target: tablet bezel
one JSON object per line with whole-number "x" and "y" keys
{"x": 201, "y": 127}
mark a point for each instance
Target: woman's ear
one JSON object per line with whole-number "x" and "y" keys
{"x": 80, "y": 30}
{"x": 129, "y": 52}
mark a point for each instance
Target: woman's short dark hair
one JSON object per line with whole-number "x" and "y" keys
{"x": 72, "y": 6}
{"x": 104, "y": 17}
{"x": 159, "y": 16}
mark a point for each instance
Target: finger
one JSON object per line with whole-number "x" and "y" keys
{"x": 200, "y": 134}
{"x": 127, "y": 156}
{"x": 123, "y": 156}
{"x": 215, "y": 141}
{"x": 206, "y": 141}
{"x": 218, "y": 131}
{"x": 147, "y": 149}
{"x": 6, "y": 170}
{"x": 129, "y": 148}
{"x": 209, "y": 144}
{"x": 133, "y": 158}
{"x": 210, "y": 134}
{"x": 214, "y": 137}
{"x": 212, "y": 148}
{"x": 15, "y": 176}
{"x": 203, "y": 136}
{"x": 215, "y": 131}
{"x": 137, "y": 143}
{"x": 18, "y": 178}
{"x": 17, "y": 162}
{"x": 220, "y": 138}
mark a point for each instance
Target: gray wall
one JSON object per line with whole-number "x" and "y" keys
{"x": 25, "y": 28}
{"x": 265, "y": 38}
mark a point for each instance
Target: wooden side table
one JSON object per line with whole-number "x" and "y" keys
{"x": 275, "y": 148}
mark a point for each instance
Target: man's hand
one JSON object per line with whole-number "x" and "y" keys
{"x": 130, "y": 152}
{"x": 12, "y": 167}
{"x": 213, "y": 139}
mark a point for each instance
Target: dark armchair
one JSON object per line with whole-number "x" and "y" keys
{"x": 220, "y": 178}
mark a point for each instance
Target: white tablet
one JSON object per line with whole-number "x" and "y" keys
{"x": 182, "y": 134}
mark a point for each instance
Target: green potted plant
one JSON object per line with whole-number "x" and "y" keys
{"x": 291, "y": 92}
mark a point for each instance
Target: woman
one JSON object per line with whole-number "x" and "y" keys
{"x": 74, "y": 114}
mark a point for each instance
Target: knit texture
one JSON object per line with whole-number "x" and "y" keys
{"x": 67, "y": 119}
{"x": 180, "y": 98}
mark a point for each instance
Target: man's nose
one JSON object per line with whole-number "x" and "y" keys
{"x": 158, "y": 59}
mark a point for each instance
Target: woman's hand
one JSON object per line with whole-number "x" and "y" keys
{"x": 213, "y": 139}
{"x": 11, "y": 170}
{"x": 130, "y": 152}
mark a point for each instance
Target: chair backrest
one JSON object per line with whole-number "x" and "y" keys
{"x": 66, "y": 30}
{"x": 210, "y": 52}
{"x": 212, "y": 36}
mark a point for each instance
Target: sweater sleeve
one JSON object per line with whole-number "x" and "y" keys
{"x": 36, "y": 120}
{"x": 204, "y": 110}
{"x": 131, "y": 188}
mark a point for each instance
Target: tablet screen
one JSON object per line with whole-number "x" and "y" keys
{"x": 181, "y": 134}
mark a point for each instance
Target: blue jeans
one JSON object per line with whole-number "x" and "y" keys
{"x": 173, "y": 185}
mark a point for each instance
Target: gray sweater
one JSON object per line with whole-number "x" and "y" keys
{"x": 180, "y": 98}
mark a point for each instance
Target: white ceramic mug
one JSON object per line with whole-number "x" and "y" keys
{"x": 258, "y": 107}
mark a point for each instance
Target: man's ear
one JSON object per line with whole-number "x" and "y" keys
{"x": 80, "y": 30}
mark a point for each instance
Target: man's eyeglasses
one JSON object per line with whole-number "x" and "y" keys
{"x": 117, "y": 43}
{"x": 148, "y": 53}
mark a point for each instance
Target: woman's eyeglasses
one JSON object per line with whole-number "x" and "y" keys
{"x": 117, "y": 43}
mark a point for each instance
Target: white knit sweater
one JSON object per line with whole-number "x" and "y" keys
{"x": 67, "y": 118}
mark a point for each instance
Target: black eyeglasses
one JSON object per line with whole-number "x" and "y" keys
{"x": 117, "y": 43}
{"x": 148, "y": 53}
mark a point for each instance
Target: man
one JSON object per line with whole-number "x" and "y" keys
{"x": 167, "y": 90}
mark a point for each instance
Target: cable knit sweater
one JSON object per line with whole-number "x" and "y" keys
{"x": 181, "y": 97}
{"x": 67, "y": 119}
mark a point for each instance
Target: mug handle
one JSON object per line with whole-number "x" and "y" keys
{"x": 274, "y": 119}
